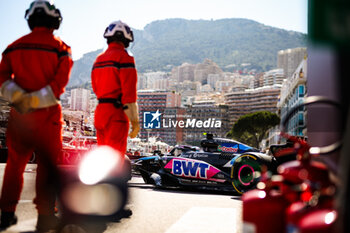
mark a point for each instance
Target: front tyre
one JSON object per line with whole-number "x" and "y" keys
{"x": 146, "y": 177}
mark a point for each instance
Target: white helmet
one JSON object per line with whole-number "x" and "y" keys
{"x": 46, "y": 11}
{"x": 119, "y": 29}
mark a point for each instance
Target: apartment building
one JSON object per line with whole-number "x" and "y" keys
{"x": 183, "y": 72}
{"x": 215, "y": 120}
{"x": 252, "y": 100}
{"x": 166, "y": 103}
{"x": 289, "y": 59}
{"x": 80, "y": 99}
{"x": 273, "y": 77}
{"x": 293, "y": 92}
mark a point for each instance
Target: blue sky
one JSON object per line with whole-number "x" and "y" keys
{"x": 84, "y": 21}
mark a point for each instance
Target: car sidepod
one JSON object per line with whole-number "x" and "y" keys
{"x": 192, "y": 172}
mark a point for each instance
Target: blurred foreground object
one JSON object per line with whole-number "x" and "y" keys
{"x": 94, "y": 192}
{"x": 329, "y": 56}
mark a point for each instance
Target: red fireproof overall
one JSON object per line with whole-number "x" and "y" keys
{"x": 33, "y": 62}
{"x": 113, "y": 75}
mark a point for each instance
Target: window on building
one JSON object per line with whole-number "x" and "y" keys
{"x": 301, "y": 90}
{"x": 300, "y": 132}
{"x": 301, "y": 119}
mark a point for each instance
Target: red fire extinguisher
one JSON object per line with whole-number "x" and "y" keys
{"x": 286, "y": 200}
{"x": 273, "y": 196}
{"x": 314, "y": 212}
{"x": 309, "y": 204}
{"x": 263, "y": 209}
{"x": 317, "y": 191}
{"x": 318, "y": 221}
{"x": 300, "y": 180}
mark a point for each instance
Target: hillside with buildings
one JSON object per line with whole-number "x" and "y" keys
{"x": 200, "y": 77}
{"x": 203, "y": 98}
{"x": 193, "y": 99}
{"x": 233, "y": 44}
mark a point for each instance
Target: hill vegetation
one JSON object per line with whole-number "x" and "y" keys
{"x": 231, "y": 43}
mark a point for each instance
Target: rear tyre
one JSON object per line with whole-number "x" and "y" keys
{"x": 246, "y": 170}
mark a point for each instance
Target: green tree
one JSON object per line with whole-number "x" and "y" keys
{"x": 252, "y": 128}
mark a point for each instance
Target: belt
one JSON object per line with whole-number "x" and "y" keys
{"x": 116, "y": 102}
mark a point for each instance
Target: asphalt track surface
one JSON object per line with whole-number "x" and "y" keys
{"x": 154, "y": 210}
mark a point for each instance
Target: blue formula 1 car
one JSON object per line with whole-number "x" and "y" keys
{"x": 220, "y": 164}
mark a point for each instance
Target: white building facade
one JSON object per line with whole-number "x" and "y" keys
{"x": 273, "y": 77}
{"x": 293, "y": 92}
{"x": 80, "y": 99}
{"x": 289, "y": 59}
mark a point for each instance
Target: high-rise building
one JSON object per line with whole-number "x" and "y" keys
{"x": 80, "y": 99}
{"x": 213, "y": 78}
{"x": 293, "y": 92}
{"x": 223, "y": 86}
{"x": 252, "y": 100}
{"x": 161, "y": 84}
{"x": 197, "y": 73}
{"x": 215, "y": 116}
{"x": 202, "y": 71}
{"x": 153, "y": 80}
{"x": 183, "y": 72}
{"x": 165, "y": 103}
{"x": 289, "y": 59}
{"x": 259, "y": 80}
{"x": 273, "y": 77}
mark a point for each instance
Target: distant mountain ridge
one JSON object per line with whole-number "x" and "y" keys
{"x": 228, "y": 42}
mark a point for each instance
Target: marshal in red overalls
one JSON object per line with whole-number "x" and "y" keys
{"x": 33, "y": 73}
{"x": 33, "y": 62}
{"x": 114, "y": 81}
